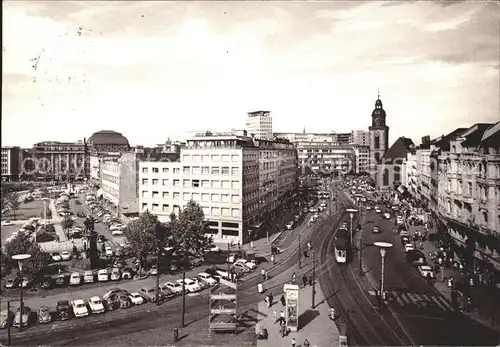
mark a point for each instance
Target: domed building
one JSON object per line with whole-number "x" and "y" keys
{"x": 106, "y": 141}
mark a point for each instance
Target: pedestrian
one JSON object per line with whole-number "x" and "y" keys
{"x": 294, "y": 278}
{"x": 275, "y": 316}
{"x": 283, "y": 302}
{"x": 293, "y": 342}
{"x": 272, "y": 258}
{"x": 304, "y": 280}
{"x": 306, "y": 343}
{"x": 310, "y": 280}
{"x": 263, "y": 273}
{"x": 251, "y": 244}
{"x": 271, "y": 298}
{"x": 239, "y": 245}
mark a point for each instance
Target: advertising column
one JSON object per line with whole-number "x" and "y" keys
{"x": 292, "y": 306}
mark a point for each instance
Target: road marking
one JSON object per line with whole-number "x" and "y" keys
{"x": 400, "y": 300}
{"x": 404, "y": 297}
{"x": 193, "y": 294}
{"x": 442, "y": 302}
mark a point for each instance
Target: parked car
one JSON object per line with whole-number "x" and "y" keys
{"x": 175, "y": 287}
{"x": 56, "y": 256}
{"x": 376, "y": 230}
{"x": 202, "y": 284}
{"x": 46, "y": 282}
{"x": 102, "y": 275}
{"x": 239, "y": 266}
{"x": 426, "y": 271}
{"x": 43, "y": 314}
{"x": 65, "y": 255}
{"x": 117, "y": 232}
{"x": 115, "y": 274}
{"x": 248, "y": 264}
{"x": 207, "y": 279}
{"x": 79, "y": 308}
{"x": 112, "y": 302}
{"x": 6, "y": 223}
{"x": 22, "y": 317}
{"x": 88, "y": 276}
{"x": 6, "y": 318}
{"x": 166, "y": 291}
{"x": 60, "y": 280}
{"x": 125, "y": 301}
{"x": 416, "y": 257}
{"x": 127, "y": 273}
{"x": 11, "y": 283}
{"x": 149, "y": 293}
{"x": 387, "y": 215}
{"x": 289, "y": 225}
{"x": 96, "y": 305}
{"x": 114, "y": 291}
{"x": 190, "y": 285}
{"x": 63, "y": 310}
{"x": 109, "y": 251}
{"x": 153, "y": 271}
{"x": 136, "y": 298}
{"x": 408, "y": 247}
{"x": 75, "y": 279}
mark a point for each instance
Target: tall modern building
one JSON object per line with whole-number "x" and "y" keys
{"x": 360, "y": 137}
{"x": 379, "y": 136}
{"x": 239, "y": 181}
{"x": 11, "y": 163}
{"x": 259, "y": 124}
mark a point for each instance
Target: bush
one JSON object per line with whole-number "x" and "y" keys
{"x": 45, "y": 237}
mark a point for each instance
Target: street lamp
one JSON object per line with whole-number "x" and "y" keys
{"x": 20, "y": 260}
{"x": 383, "y": 250}
{"x": 351, "y": 211}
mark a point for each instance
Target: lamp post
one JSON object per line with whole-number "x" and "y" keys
{"x": 20, "y": 260}
{"x": 383, "y": 246}
{"x": 351, "y": 211}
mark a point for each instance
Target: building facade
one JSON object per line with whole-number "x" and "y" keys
{"x": 11, "y": 163}
{"x": 362, "y": 157}
{"x": 107, "y": 141}
{"x": 238, "y": 181}
{"x": 259, "y": 124}
{"x": 342, "y": 138}
{"x": 379, "y": 136}
{"x": 326, "y": 157}
{"x": 360, "y": 138}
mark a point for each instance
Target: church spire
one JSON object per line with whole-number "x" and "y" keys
{"x": 304, "y": 130}
{"x": 378, "y": 93}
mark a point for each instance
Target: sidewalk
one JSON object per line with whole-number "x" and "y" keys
{"x": 56, "y": 220}
{"x": 314, "y": 324}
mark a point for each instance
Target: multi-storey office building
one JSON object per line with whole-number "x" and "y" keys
{"x": 11, "y": 163}
{"x": 259, "y": 124}
{"x": 362, "y": 156}
{"x": 360, "y": 137}
{"x": 326, "y": 157}
{"x": 239, "y": 182}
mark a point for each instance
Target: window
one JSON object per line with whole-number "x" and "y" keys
{"x": 164, "y": 195}
{"x": 230, "y": 232}
{"x": 215, "y": 211}
{"x": 215, "y": 198}
{"x": 205, "y": 170}
{"x": 225, "y": 170}
{"x": 226, "y": 184}
{"x": 377, "y": 142}
{"x": 235, "y": 212}
{"x": 225, "y": 157}
{"x": 165, "y": 170}
{"x": 235, "y": 170}
{"x": 176, "y": 209}
{"x": 225, "y": 212}
{"x": 155, "y": 194}
{"x": 154, "y": 207}
{"x": 225, "y": 198}
{"x": 186, "y": 183}
{"x": 144, "y": 193}
{"x": 195, "y": 183}
{"x": 215, "y": 171}
{"x": 377, "y": 157}
{"x": 165, "y": 182}
{"x": 205, "y": 197}
{"x": 196, "y": 196}
{"x": 215, "y": 157}
{"x": 186, "y": 157}
{"x": 215, "y": 184}
{"x": 144, "y": 206}
{"x": 155, "y": 170}
{"x": 177, "y": 171}
{"x": 235, "y": 184}
{"x": 196, "y": 157}
{"x": 205, "y": 184}
{"x": 205, "y": 158}
{"x": 235, "y": 157}
{"x": 235, "y": 199}
{"x": 145, "y": 182}
{"x": 206, "y": 212}
{"x": 155, "y": 181}
{"x": 186, "y": 196}
{"x": 177, "y": 183}
{"x": 230, "y": 225}
{"x": 164, "y": 208}
{"x": 186, "y": 170}
{"x": 196, "y": 170}
{"x": 144, "y": 170}
{"x": 176, "y": 195}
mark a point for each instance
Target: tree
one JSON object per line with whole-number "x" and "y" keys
{"x": 12, "y": 199}
{"x": 186, "y": 234}
{"x": 145, "y": 235}
{"x": 34, "y": 267}
{"x": 67, "y": 223}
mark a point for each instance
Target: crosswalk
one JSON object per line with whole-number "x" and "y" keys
{"x": 415, "y": 300}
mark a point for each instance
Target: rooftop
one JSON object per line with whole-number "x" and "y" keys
{"x": 399, "y": 149}
{"x": 107, "y": 137}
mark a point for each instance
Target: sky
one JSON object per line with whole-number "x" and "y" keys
{"x": 158, "y": 70}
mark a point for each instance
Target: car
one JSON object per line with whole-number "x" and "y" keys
{"x": 117, "y": 226}
{"x": 153, "y": 271}
{"x": 6, "y": 318}
{"x": 102, "y": 275}
{"x": 408, "y": 247}
{"x": 56, "y": 256}
{"x": 112, "y": 302}
{"x": 405, "y": 240}
{"x": 190, "y": 285}
{"x": 416, "y": 257}
{"x": 323, "y": 204}
{"x": 313, "y": 210}
{"x": 115, "y": 274}
{"x": 63, "y": 310}
{"x": 22, "y": 318}
{"x": 166, "y": 291}
{"x": 88, "y": 277}
{"x": 96, "y": 305}
{"x": 117, "y": 232}
{"x": 207, "y": 278}
{"x": 426, "y": 271}
{"x": 239, "y": 266}
{"x": 101, "y": 239}
{"x": 81, "y": 215}
{"x": 136, "y": 298}
{"x": 404, "y": 233}
{"x": 6, "y": 223}
{"x": 305, "y": 210}
{"x": 125, "y": 301}
{"x": 376, "y": 230}
{"x": 175, "y": 287}
{"x": 368, "y": 207}
{"x": 289, "y": 225}
{"x": 65, "y": 255}
{"x": 26, "y": 282}
{"x": 75, "y": 279}
{"x": 214, "y": 249}
{"x": 114, "y": 291}
{"x": 79, "y": 308}
{"x": 149, "y": 293}
{"x": 78, "y": 202}
{"x": 127, "y": 273}
{"x": 249, "y": 264}
{"x": 201, "y": 283}
{"x": 387, "y": 215}
{"x": 11, "y": 283}
{"x": 46, "y": 282}
{"x": 43, "y": 315}
{"x": 109, "y": 251}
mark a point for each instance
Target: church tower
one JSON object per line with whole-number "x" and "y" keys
{"x": 379, "y": 136}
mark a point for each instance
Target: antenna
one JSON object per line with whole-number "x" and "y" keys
{"x": 378, "y": 93}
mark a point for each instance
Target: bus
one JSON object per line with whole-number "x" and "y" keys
{"x": 340, "y": 251}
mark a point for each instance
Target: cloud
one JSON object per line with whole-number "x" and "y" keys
{"x": 157, "y": 69}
